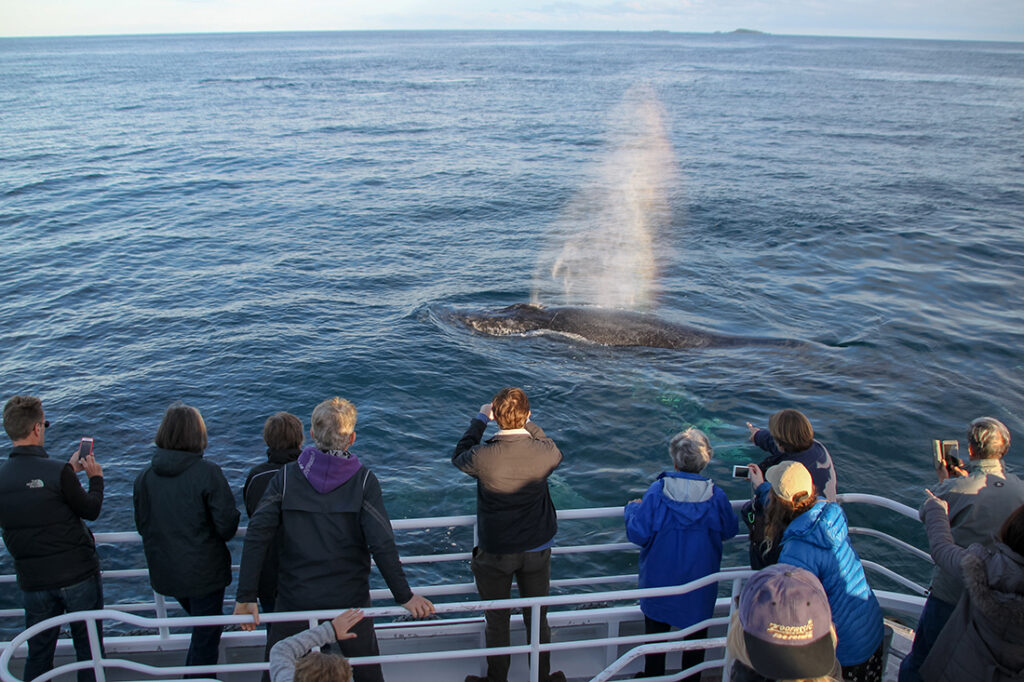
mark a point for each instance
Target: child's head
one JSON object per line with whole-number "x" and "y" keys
{"x": 317, "y": 667}
{"x": 791, "y": 430}
{"x": 690, "y": 451}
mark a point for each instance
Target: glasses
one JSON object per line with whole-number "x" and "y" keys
{"x": 46, "y": 423}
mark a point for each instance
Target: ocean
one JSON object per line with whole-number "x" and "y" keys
{"x": 256, "y": 222}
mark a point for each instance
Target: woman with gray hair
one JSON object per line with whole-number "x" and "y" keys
{"x": 680, "y": 525}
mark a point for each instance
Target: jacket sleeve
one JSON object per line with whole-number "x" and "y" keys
{"x": 729, "y": 521}
{"x": 639, "y": 518}
{"x": 259, "y": 537}
{"x": 220, "y": 504}
{"x": 286, "y": 652}
{"x": 944, "y": 551}
{"x": 463, "y": 455}
{"x": 761, "y": 496}
{"x": 376, "y": 525}
{"x": 86, "y": 505}
{"x": 140, "y": 503}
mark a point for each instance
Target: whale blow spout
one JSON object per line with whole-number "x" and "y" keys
{"x": 606, "y": 327}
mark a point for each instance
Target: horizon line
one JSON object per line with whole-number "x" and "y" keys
{"x": 737, "y": 32}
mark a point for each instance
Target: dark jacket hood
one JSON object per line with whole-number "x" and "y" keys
{"x": 324, "y": 471}
{"x": 995, "y": 579}
{"x": 173, "y": 462}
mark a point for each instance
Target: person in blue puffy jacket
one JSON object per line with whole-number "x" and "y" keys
{"x": 815, "y": 537}
{"x": 680, "y": 525}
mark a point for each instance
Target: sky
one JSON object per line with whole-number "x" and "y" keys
{"x": 942, "y": 19}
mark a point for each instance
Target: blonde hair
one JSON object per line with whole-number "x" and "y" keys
{"x": 319, "y": 667}
{"x": 333, "y": 423}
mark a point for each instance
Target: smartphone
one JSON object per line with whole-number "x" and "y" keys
{"x": 740, "y": 471}
{"x": 946, "y": 453}
{"x": 85, "y": 448}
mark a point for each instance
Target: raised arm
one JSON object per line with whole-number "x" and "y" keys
{"x": 946, "y": 553}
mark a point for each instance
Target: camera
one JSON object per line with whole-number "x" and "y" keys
{"x": 740, "y": 471}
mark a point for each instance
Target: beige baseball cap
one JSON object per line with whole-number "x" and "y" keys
{"x": 791, "y": 481}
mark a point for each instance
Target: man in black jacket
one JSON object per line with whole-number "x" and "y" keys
{"x": 42, "y": 505}
{"x": 331, "y": 514}
{"x": 516, "y": 521}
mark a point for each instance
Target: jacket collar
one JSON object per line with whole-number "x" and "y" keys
{"x": 29, "y": 451}
{"x": 988, "y": 466}
{"x": 512, "y": 432}
{"x": 282, "y": 456}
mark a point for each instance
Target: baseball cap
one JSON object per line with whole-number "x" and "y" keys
{"x": 787, "y": 624}
{"x": 790, "y": 480}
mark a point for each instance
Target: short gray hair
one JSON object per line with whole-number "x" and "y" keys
{"x": 332, "y": 424}
{"x": 690, "y": 450}
{"x": 989, "y": 438}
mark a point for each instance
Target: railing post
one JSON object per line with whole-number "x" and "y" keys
{"x": 161, "y": 612}
{"x": 96, "y": 645}
{"x": 535, "y": 611}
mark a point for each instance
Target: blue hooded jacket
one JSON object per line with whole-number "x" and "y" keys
{"x": 680, "y": 525}
{"x": 819, "y": 541}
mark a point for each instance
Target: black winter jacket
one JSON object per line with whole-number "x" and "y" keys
{"x": 185, "y": 512}
{"x": 252, "y": 492}
{"x": 327, "y": 540}
{"x": 42, "y": 505}
{"x": 514, "y": 510}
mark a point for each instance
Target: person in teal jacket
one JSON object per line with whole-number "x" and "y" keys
{"x": 816, "y": 538}
{"x": 680, "y": 525}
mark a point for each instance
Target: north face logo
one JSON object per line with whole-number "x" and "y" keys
{"x": 34, "y": 483}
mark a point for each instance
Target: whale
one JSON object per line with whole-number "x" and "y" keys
{"x": 607, "y": 327}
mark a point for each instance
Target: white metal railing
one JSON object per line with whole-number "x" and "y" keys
{"x": 100, "y": 664}
{"x": 125, "y": 613}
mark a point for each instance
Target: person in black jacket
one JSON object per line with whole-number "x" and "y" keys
{"x": 42, "y": 505}
{"x": 185, "y": 512}
{"x": 516, "y": 520}
{"x": 330, "y": 511}
{"x": 282, "y": 433}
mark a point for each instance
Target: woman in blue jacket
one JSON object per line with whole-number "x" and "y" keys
{"x": 680, "y": 525}
{"x": 815, "y": 537}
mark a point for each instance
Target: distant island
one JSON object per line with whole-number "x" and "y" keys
{"x": 749, "y": 31}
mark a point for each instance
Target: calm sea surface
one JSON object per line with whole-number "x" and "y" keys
{"x": 253, "y": 223}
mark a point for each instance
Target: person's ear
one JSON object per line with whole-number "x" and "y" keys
{"x": 351, "y": 439}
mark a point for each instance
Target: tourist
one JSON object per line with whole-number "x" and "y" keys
{"x": 782, "y": 629}
{"x": 978, "y": 502}
{"x": 291, "y": 660}
{"x": 283, "y": 434}
{"x": 680, "y": 525}
{"x": 185, "y": 512}
{"x": 42, "y": 505}
{"x": 330, "y": 512}
{"x": 790, "y": 438}
{"x": 815, "y": 537}
{"x": 516, "y": 520}
{"x": 984, "y": 637}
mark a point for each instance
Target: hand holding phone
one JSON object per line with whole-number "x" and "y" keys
{"x": 83, "y": 459}
{"x": 947, "y": 461}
